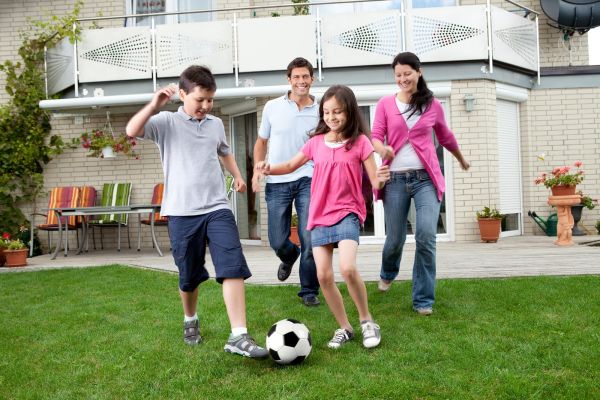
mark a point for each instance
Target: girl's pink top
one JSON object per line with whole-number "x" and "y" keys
{"x": 389, "y": 125}
{"x": 336, "y": 189}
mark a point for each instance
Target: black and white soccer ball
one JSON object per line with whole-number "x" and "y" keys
{"x": 289, "y": 342}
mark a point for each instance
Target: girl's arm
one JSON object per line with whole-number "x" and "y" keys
{"x": 285, "y": 167}
{"x": 231, "y": 166}
{"x": 377, "y": 175}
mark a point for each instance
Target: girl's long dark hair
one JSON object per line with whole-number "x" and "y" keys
{"x": 422, "y": 98}
{"x": 355, "y": 124}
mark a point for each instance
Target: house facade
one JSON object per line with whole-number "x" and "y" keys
{"x": 512, "y": 86}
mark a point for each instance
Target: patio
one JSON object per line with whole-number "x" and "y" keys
{"x": 511, "y": 256}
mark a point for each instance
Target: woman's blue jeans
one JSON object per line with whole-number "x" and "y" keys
{"x": 279, "y": 197}
{"x": 399, "y": 191}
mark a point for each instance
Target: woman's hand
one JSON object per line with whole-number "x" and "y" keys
{"x": 387, "y": 153}
{"x": 464, "y": 164}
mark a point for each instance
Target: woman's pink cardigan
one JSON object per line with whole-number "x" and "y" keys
{"x": 389, "y": 127}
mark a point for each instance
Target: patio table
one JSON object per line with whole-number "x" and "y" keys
{"x": 86, "y": 212}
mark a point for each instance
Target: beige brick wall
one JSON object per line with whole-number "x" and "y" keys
{"x": 565, "y": 125}
{"x": 477, "y": 137}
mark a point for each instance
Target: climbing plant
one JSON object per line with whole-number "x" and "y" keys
{"x": 26, "y": 142}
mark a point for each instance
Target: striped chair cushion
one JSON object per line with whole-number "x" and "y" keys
{"x": 87, "y": 198}
{"x": 114, "y": 194}
{"x": 157, "y": 197}
{"x": 61, "y": 197}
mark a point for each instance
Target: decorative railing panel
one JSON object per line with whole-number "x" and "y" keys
{"x": 114, "y": 54}
{"x": 449, "y": 33}
{"x": 360, "y": 39}
{"x": 179, "y": 46}
{"x": 514, "y": 39}
{"x": 269, "y": 44}
{"x": 60, "y": 66}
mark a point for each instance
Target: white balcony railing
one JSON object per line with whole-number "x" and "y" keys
{"x": 267, "y": 44}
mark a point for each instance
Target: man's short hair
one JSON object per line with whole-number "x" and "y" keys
{"x": 299, "y": 62}
{"x": 197, "y": 75}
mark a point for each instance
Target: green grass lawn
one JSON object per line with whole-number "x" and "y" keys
{"x": 115, "y": 333}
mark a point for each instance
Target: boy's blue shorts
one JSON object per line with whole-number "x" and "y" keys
{"x": 189, "y": 236}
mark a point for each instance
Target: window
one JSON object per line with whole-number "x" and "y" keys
{"x": 375, "y": 6}
{"x": 160, "y": 6}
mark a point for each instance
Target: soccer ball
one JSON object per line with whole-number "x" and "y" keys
{"x": 289, "y": 342}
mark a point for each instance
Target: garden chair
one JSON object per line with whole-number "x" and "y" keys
{"x": 87, "y": 198}
{"x": 157, "y": 196}
{"x": 113, "y": 194}
{"x": 60, "y": 197}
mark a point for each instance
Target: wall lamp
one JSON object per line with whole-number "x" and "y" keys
{"x": 469, "y": 100}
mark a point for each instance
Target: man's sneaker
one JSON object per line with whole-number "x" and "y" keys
{"x": 310, "y": 300}
{"x": 340, "y": 337}
{"x": 371, "y": 334}
{"x": 285, "y": 269}
{"x": 246, "y": 346}
{"x": 424, "y": 311}
{"x": 384, "y": 285}
{"x": 191, "y": 332}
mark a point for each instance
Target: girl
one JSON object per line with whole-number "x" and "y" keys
{"x": 339, "y": 149}
{"x": 404, "y": 122}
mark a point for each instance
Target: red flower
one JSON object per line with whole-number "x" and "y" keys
{"x": 6, "y": 235}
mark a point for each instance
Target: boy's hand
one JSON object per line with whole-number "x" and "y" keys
{"x": 383, "y": 174}
{"x": 163, "y": 96}
{"x": 239, "y": 185}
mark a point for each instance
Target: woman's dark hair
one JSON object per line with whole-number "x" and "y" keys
{"x": 355, "y": 124}
{"x": 197, "y": 75}
{"x": 422, "y": 98}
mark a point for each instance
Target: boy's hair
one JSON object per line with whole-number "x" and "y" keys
{"x": 422, "y": 98}
{"x": 355, "y": 123}
{"x": 197, "y": 75}
{"x": 299, "y": 62}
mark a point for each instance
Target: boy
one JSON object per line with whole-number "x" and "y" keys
{"x": 196, "y": 203}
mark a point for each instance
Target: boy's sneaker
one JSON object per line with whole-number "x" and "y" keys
{"x": 371, "y": 334}
{"x": 246, "y": 346}
{"x": 285, "y": 269}
{"x": 191, "y": 332}
{"x": 340, "y": 337}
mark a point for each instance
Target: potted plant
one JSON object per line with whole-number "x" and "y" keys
{"x": 294, "y": 230}
{"x": 15, "y": 252}
{"x": 562, "y": 180}
{"x": 489, "y": 220}
{"x": 104, "y": 144}
{"x": 576, "y": 211}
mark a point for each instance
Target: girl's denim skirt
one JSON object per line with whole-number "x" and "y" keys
{"x": 347, "y": 229}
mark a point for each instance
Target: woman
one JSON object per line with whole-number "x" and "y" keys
{"x": 402, "y": 135}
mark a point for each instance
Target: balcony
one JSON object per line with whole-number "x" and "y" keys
{"x": 240, "y": 48}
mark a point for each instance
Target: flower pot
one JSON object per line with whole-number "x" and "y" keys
{"x": 561, "y": 190}
{"x": 489, "y": 229}
{"x": 576, "y": 213}
{"x": 294, "y": 235}
{"x": 16, "y": 258}
{"x": 108, "y": 152}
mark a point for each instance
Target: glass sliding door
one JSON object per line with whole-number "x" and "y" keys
{"x": 245, "y": 205}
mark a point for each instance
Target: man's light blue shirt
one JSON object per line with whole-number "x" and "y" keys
{"x": 287, "y": 129}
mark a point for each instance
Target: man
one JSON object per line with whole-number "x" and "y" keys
{"x": 286, "y": 124}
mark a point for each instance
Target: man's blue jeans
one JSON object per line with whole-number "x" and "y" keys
{"x": 280, "y": 197}
{"x": 399, "y": 191}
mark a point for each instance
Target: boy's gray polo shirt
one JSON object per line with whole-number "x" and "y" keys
{"x": 287, "y": 129}
{"x": 189, "y": 150}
